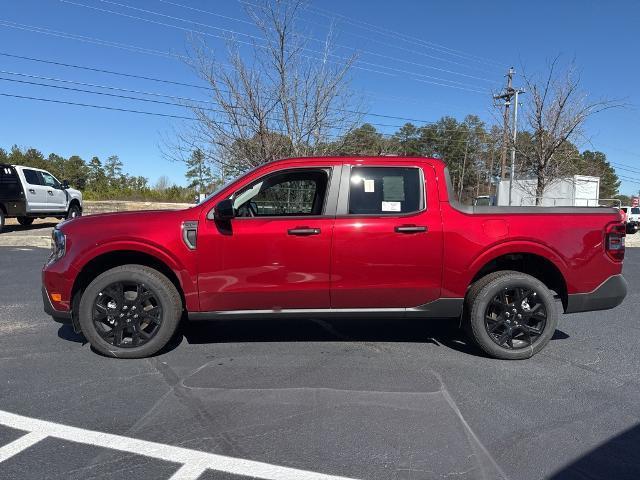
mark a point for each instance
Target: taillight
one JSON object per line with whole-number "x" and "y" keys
{"x": 615, "y": 241}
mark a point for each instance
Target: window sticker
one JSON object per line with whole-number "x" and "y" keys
{"x": 391, "y": 206}
{"x": 393, "y": 188}
{"x": 369, "y": 185}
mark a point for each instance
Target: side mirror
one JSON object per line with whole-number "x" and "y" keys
{"x": 65, "y": 184}
{"x": 224, "y": 210}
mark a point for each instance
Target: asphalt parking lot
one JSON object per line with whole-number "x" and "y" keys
{"x": 315, "y": 399}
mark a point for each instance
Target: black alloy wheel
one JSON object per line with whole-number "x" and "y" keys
{"x": 127, "y": 314}
{"x": 510, "y": 315}
{"x": 515, "y": 318}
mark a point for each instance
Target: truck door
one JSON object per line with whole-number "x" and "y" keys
{"x": 35, "y": 193}
{"x": 387, "y": 239}
{"x": 275, "y": 254}
{"x": 56, "y": 196}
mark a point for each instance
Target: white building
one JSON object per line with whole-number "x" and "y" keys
{"x": 576, "y": 191}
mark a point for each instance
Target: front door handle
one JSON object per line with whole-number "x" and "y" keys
{"x": 32, "y": 190}
{"x": 50, "y": 192}
{"x": 410, "y": 229}
{"x": 303, "y": 231}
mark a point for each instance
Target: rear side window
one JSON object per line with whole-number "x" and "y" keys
{"x": 32, "y": 177}
{"x": 385, "y": 190}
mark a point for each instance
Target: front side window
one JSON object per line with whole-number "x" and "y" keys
{"x": 385, "y": 190}
{"x": 297, "y": 192}
{"x": 49, "y": 180}
{"x": 31, "y": 176}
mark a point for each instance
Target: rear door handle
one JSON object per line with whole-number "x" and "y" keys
{"x": 303, "y": 231}
{"x": 410, "y": 229}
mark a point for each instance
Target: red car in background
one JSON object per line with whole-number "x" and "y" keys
{"x": 317, "y": 237}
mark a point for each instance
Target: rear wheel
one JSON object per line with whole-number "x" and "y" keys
{"x": 25, "y": 221}
{"x": 1, "y": 220}
{"x": 130, "y": 311}
{"x": 510, "y": 315}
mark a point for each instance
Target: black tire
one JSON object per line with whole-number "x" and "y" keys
{"x": 25, "y": 221}
{"x": 1, "y": 220}
{"x": 517, "y": 327}
{"x": 160, "y": 289}
{"x": 74, "y": 211}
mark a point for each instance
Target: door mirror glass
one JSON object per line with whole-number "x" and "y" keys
{"x": 65, "y": 184}
{"x": 224, "y": 210}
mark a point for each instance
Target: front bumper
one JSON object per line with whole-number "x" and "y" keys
{"x": 608, "y": 295}
{"x": 57, "y": 315}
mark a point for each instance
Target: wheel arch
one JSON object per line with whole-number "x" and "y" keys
{"x": 540, "y": 264}
{"x": 115, "y": 258}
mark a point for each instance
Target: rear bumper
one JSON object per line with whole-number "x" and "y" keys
{"x": 608, "y": 295}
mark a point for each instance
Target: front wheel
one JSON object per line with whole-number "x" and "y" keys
{"x": 25, "y": 221}
{"x": 511, "y": 315}
{"x": 74, "y": 211}
{"x": 130, "y": 311}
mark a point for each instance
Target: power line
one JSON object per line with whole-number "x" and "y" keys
{"x": 172, "y": 82}
{"x": 101, "y": 70}
{"x": 617, "y": 167}
{"x": 128, "y": 97}
{"x": 87, "y": 39}
{"x": 369, "y": 39}
{"x": 367, "y": 52}
{"x": 397, "y": 35}
{"x": 104, "y": 107}
{"x": 106, "y": 87}
{"x": 233, "y": 32}
{"x": 182, "y": 117}
{"x": 113, "y": 95}
{"x": 147, "y": 51}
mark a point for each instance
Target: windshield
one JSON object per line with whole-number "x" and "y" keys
{"x": 228, "y": 183}
{"x": 635, "y": 211}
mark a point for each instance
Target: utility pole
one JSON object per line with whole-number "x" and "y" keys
{"x": 507, "y": 94}
{"x": 513, "y": 145}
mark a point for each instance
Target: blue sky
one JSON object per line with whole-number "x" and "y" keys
{"x": 469, "y": 42}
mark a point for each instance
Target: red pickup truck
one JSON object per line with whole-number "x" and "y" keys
{"x": 315, "y": 237}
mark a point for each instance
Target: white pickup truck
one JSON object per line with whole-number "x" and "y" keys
{"x": 27, "y": 193}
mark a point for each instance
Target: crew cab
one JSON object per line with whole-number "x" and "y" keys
{"x": 318, "y": 237}
{"x": 28, "y": 193}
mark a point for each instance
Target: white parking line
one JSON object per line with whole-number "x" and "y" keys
{"x": 22, "y": 443}
{"x": 194, "y": 461}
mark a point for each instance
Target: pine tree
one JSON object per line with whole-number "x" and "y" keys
{"x": 198, "y": 172}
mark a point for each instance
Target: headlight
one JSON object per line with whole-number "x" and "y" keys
{"x": 58, "y": 245}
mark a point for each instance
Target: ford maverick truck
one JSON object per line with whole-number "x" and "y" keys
{"x": 320, "y": 237}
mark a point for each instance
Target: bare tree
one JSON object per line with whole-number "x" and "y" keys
{"x": 279, "y": 96}
{"x": 555, "y": 113}
{"x": 162, "y": 183}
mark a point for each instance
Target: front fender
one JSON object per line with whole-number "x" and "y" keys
{"x": 157, "y": 251}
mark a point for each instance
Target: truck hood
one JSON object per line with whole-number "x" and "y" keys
{"x": 137, "y": 223}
